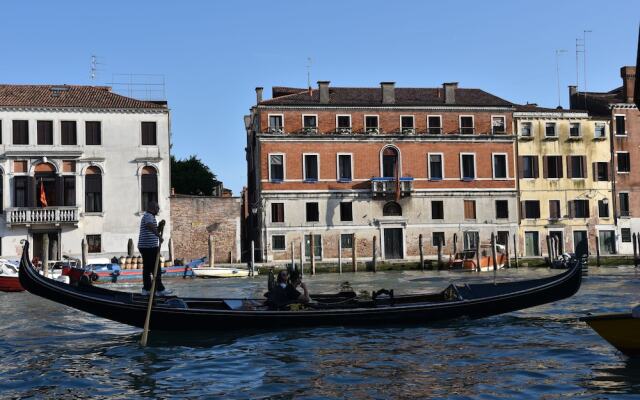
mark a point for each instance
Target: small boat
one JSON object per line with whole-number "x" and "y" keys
{"x": 220, "y": 272}
{"x": 468, "y": 259}
{"x": 345, "y": 308}
{"x": 9, "y": 281}
{"x": 621, "y": 330}
{"x": 102, "y": 270}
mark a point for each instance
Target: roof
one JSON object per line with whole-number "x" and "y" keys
{"x": 74, "y": 96}
{"x": 346, "y": 96}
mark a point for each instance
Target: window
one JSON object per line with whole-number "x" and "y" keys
{"x": 499, "y": 166}
{"x": 531, "y": 244}
{"x": 526, "y": 129}
{"x": 371, "y": 124}
{"x": 576, "y": 167}
{"x": 466, "y": 125}
{"x": 344, "y": 167}
{"x": 311, "y": 167}
{"x": 312, "y": 212}
{"x": 317, "y": 246}
{"x": 346, "y": 239}
{"x": 69, "y": 136}
{"x": 468, "y": 166}
{"x": 607, "y": 242}
{"x": 94, "y": 243}
{"x": 346, "y": 211}
{"x": 529, "y": 166}
{"x": 625, "y": 235}
{"x": 275, "y": 124}
{"x": 310, "y": 123}
{"x": 469, "y": 209}
{"x": 343, "y": 123}
{"x": 435, "y": 167}
{"x": 93, "y": 190}
{"x": 471, "y": 239}
{"x": 621, "y": 129}
{"x": 554, "y": 209}
{"x": 391, "y": 209}
{"x": 68, "y": 190}
{"x": 603, "y": 208}
{"x": 20, "y": 132}
{"x": 149, "y": 136}
{"x": 624, "y": 163}
{"x": 550, "y": 129}
{"x": 434, "y": 124}
{"x": 599, "y": 130}
{"x": 437, "y": 209}
{"x": 502, "y": 237}
{"x": 45, "y": 132}
{"x": 574, "y": 129}
{"x": 407, "y": 124}
{"x": 498, "y": 125}
{"x": 277, "y": 212}
{"x": 149, "y": 184}
{"x": 437, "y": 238}
{"x": 278, "y": 243}
{"x": 502, "y": 209}
{"x": 93, "y": 133}
{"x": 601, "y": 171}
{"x": 276, "y": 167}
{"x": 531, "y": 209}
{"x": 579, "y": 209}
{"x": 624, "y": 204}
{"x": 20, "y": 198}
{"x": 552, "y": 167}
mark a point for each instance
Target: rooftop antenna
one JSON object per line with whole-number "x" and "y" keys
{"x": 309, "y": 72}
{"x": 584, "y": 62}
{"x": 558, "y": 52}
{"x": 93, "y": 69}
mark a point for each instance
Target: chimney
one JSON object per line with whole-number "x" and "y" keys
{"x": 323, "y": 86}
{"x": 388, "y": 92}
{"x": 450, "y": 92}
{"x": 628, "y": 75}
{"x": 259, "y": 94}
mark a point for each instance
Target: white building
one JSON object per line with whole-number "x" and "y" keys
{"x": 79, "y": 162}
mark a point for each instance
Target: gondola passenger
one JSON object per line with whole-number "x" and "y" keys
{"x": 285, "y": 292}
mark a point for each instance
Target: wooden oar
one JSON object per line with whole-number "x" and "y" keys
{"x": 145, "y": 333}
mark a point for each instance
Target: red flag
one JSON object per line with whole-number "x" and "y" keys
{"x": 43, "y": 196}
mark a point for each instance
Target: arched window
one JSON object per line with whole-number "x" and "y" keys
{"x": 149, "y": 184}
{"x": 47, "y": 187}
{"x": 392, "y": 209}
{"x": 93, "y": 190}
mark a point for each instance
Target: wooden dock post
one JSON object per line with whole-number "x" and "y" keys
{"x": 340, "y": 254}
{"x": 293, "y": 257}
{"x": 455, "y": 244}
{"x": 374, "y": 256}
{"x": 597, "y": 251}
{"x": 230, "y": 257}
{"x": 45, "y": 254}
{"x": 478, "y": 268}
{"x": 515, "y": 250}
{"x": 252, "y": 266}
{"x": 211, "y": 252}
{"x": 312, "y": 255}
{"x": 130, "y": 248}
{"x": 549, "y": 249}
{"x": 635, "y": 251}
{"x": 493, "y": 256}
{"x": 421, "y": 247}
{"x": 507, "y": 261}
{"x": 354, "y": 256}
{"x": 439, "y": 254}
{"x": 83, "y": 248}
{"x": 302, "y": 256}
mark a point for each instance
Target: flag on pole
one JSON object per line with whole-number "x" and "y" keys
{"x": 43, "y": 195}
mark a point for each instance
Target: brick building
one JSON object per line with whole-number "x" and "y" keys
{"x": 618, "y": 106}
{"x": 329, "y": 163}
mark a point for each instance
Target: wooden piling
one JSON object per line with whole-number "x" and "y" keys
{"x": 340, "y": 254}
{"x": 252, "y": 264}
{"x": 354, "y": 260}
{"x": 421, "y": 247}
{"x": 493, "y": 251}
{"x": 211, "y": 251}
{"x": 130, "y": 248}
{"x": 478, "y": 268}
{"x": 507, "y": 263}
{"x": 302, "y": 256}
{"x": 439, "y": 254}
{"x": 171, "y": 253}
{"x": 230, "y": 256}
{"x": 455, "y": 244}
{"x": 597, "y": 251}
{"x": 515, "y": 250}
{"x": 45, "y": 254}
{"x": 549, "y": 249}
{"x": 374, "y": 253}
{"x": 635, "y": 251}
{"x": 83, "y": 248}
{"x": 293, "y": 257}
{"x": 312, "y": 255}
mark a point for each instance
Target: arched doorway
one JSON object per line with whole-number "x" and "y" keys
{"x": 393, "y": 237}
{"x": 390, "y": 159}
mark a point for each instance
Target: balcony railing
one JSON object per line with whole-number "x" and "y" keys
{"x": 384, "y": 187}
{"x": 276, "y": 130}
{"x": 343, "y": 130}
{"x": 408, "y": 131}
{"x": 44, "y": 215}
{"x": 372, "y": 131}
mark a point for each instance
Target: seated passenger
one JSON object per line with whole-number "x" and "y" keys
{"x": 285, "y": 292}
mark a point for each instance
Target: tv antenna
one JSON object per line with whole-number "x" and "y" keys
{"x": 584, "y": 60}
{"x": 309, "y": 72}
{"x": 558, "y": 53}
{"x": 93, "y": 67}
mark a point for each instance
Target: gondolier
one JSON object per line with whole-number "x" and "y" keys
{"x": 149, "y": 241}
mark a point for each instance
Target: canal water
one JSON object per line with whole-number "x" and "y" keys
{"x": 50, "y": 351}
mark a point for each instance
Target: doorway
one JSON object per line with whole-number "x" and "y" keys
{"x": 558, "y": 236}
{"x": 393, "y": 248}
{"x": 54, "y": 244}
{"x": 580, "y": 244}
{"x": 531, "y": 244}
{"x": 317, "y": 246}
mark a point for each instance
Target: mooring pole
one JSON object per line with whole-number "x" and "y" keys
{"x": 374, "y": 253}
{"x": 302, "y": 256}
{"x": 549, "y": 249}
{"x": 83, "y": 248}
{"x": 45, "y": 254}
{"x": 354, "y": 260}
{"x": 421, "y": 252}
{"x": 635, "y": 251}
{"x": 478, "y": 268}
{"x": 439, "y": 254}
{"x": 493, "y": 256}
{"x": 507, "y": 263}
{"x": 312, "y": 255}
{"x": 252, "y": 266}
{"x": 293, "y": 257}
{"x": 597, "y": 251}
{"x": 515, "y": 249}
{"x": 211, "y": 251}
{"x": 455, "y": 244}
{"x": 340, "y": 254}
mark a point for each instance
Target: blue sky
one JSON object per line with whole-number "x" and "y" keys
{"x": 213, "y": 54}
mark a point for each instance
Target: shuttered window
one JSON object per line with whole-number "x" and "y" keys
{"x": 528, "y": 166}
{"x": 554, "y": 209}
{"x": 530, "y": 209}
{"x": 69, "y": 191}
{"x": 579, "y": 209}
{"x": 278, "y": 242}
{"x": 576, "y": 167}
{"x": 20, "y": 191}
{"x": 45, "y": 132}
{"x": 93, "y": 131}
{"x": 68, "y": 131}
{"x": 552, "y": 167}
{"x": 603, "y": 208}
{"x": 601, "y": 171}
{"x": 469, "y": 209}
{"x": 277, "y": 212}
{"x": 20, "y": 132}
{"x": 149, "y": 134}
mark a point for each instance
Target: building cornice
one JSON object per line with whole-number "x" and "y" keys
{"x": 40, "y": 153}
{"x": 85, "y": 110}
{"x": 387, "y": 107}
{"x": 622, "y": 105}
{"x": 550, "y": 115}
{"x": 386, "y": 138}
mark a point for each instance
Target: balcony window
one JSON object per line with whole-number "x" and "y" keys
{"x": 276, "y": 167}
{"x": 407, "y": 125}
{"x": 531, "y": 209}
{"x": 371, "y": 124}
{"x": 149, "y": 134}
{"x": 529, "y": 166}
{"x": 574, "y": 130}
{"x": 526, "y": 129}
{"x": 435, "y": 167}
{"x": 468, "y": 166}
{"x": 69, "y": 135}
{"x": 93, "y": 133}
{"x": 502, "y": 209}
{"x": 554, "y": 209}
{"x": 93, "y": 190}
{"x": 599, "y": 130}
{"x": 69, "y": 190}
{"x": 624, "y": 204}
{"x": 343, "y": 123}
{"x": 624, "y": 163}
{"x": 603, "y": 208}
{"x": 601, "y": 171}
{"x": 498, "y": 125}
{"x": 20, "y": 132}
{"x": 344, "y": 167}
{"x": 45, "y": 132}
{"x": 434, "y": 124}
{"x": 552, "y": 167}
{"x": 621, "y": 129}
{"x": 346, "y": 211}
{"x": 466, "y": 125}
{"x": 311, "y": 167}
{"x": 469, "y": 209}
{"x": 275, "y": 124}
{"x": 437, "y": 209}
{"x": 550, "y": 130}
{"x": 277, "y": 212}
{"x": 149, "y": 185}
{"x": 579, "y": 209}
{"x": 499, "y": 166}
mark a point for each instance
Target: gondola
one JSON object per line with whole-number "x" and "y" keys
{"x": 622, "y": 330}
{"x": 342, "y": 309}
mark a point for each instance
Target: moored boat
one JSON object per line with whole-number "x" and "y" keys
{"x": 621, "y": 330}
{"x": 468, "y": 259}
{"x": 220, "y": 272}
{"x": 341, "y": 309}
{"x": 9, "y": 281}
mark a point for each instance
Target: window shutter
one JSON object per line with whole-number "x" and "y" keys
{"x": 583, "y": 165}
{"x": 572, "y": 209}
{"x": 536, "y": 168}
{"x": 559, "y": 167}
{"x": 569, "y": 168}
{"x": 520, "y": 167}
{"x": 545, "y": 164}
{"x": 594, "y": 171}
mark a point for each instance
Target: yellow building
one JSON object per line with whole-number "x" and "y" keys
{"x": 564, "y": 181}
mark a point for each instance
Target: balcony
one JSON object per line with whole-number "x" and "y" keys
{"x": 310, "y": 130}
{"x": 276, "y": 130}
{"x": 408, "y": 131}
{"x": 41, "y": 215}
{"x": 343, "y": 130}
{"x": 385, "y": 188}
{"x": 372, "y": 131}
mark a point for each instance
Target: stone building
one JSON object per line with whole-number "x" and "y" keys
{"x": 564, "y": 181}
{"x": 618, "y": 106}
{"x": 334, "y": 163}
{"x": 79, "y": 162}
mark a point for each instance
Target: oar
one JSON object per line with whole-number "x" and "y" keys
{"x": 145, "y": 333}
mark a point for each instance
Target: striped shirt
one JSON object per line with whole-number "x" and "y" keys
{"x": 147, "y": 239}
